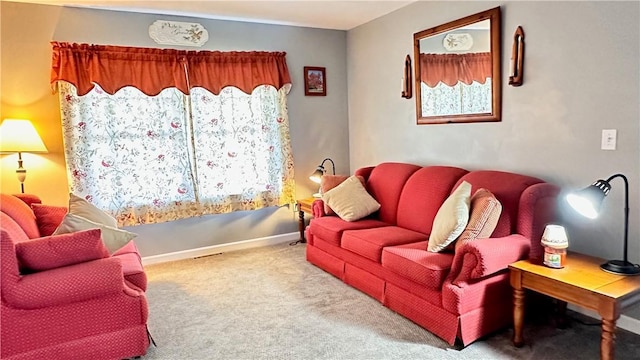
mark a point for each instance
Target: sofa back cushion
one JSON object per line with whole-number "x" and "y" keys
{"x": 21, "y": 213}
{"x": 423, "y": 194}
{"x": 507, "y": 188}
{"x": 385, "y": 184}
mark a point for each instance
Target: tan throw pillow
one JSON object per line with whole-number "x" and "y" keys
{"x": 350, "y": 200}
{"x": 83, "y": 208}
{"x": 328, "y": 182}
{"x": 451, "y": 218}
{"x": 485, "y": 213}
{"x": 112, "y": 238}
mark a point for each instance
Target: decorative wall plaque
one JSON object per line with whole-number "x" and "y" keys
{"x": 454, "y": 42}
{"x": 178, "y": 33}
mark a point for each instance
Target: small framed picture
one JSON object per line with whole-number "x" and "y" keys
{"x": 315, "y": 81}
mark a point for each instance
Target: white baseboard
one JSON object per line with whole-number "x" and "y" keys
{"x": 624, "y": 322}
{"x": 216, "y": 249}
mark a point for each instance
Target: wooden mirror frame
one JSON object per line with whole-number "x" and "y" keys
{"x": 493, "y": 15}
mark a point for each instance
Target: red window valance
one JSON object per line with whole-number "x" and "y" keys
{"x": 152, "y": 70}
{"x": 451, "y": 68}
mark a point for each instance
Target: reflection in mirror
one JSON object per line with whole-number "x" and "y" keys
{"x": 458, "y": 70}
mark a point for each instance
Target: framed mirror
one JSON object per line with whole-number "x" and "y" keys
{"x": 457, "y": 70}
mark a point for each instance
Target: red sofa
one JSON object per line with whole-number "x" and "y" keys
{"x": 463, "y": 295}
{"x": 65, "y": 296}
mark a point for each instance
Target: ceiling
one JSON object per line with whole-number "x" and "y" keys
{"x": 325, "y": 14}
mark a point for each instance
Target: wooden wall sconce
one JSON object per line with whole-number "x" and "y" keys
{"x": 406, "y": 79}
{"x": 517, "y": 58}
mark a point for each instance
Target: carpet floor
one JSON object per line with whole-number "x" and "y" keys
{"x": 270, "y": 303}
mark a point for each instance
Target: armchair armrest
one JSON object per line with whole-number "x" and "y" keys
{"x": 68, "y": 284}
{"x": 56, "y": 251}
{"x": 318, "y": 208}
{"x": 483, "y": 257}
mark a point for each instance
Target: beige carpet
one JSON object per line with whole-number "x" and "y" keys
{"x": 270, "y": 303}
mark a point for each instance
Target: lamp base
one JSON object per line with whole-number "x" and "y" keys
{"x": 621, "y": 267}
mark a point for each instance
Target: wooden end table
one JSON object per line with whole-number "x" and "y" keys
{"x": 580, "y": 282}
{"x": 304, "y": 206}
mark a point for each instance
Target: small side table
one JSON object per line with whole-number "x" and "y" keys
{"x": 304, "y": 206}
{"x": 580, "y": 282}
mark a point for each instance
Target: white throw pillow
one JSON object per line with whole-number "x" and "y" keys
{"x": 83, "y": 208}
{"x": 451, "y": 219}
{"x": 350, "y": 200}
{"x": 112, "y": 238}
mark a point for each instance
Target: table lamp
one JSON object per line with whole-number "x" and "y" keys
{"x": 20, "y": 136}
{"x": 316, "y": 177}
{"x": 587, "y": 202}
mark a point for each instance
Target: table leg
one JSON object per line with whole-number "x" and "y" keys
{"x": 301, "y": 226}
{"x": 608, "y": 342}
{"x": 518, "y": 317}
{"x": 561, "y": 315}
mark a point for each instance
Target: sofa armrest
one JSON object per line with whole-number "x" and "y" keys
{"x": 318, "y": 208}
{"x": 68, "y": 284}
{"x": 483, "y": 257}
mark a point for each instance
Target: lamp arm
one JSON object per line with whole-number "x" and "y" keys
{"x": 333, "y": 165}
{"x": 626, "y": 210}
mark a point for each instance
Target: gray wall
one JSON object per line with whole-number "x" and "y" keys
{"x": 581, "y": 75}
{"x": 318, "y": 124}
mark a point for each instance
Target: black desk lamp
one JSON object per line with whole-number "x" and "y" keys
{"x": 317, "y": 175}
{"x": 587, "y": 202}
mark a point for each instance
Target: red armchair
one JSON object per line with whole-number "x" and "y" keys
{"x": 64, "y": 296}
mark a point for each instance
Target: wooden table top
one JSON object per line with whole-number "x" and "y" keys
{"x": 584, "y": 271}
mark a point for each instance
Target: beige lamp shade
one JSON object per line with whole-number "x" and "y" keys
{"x": 17, "y": 135}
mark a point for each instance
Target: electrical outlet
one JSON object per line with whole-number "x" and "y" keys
{"x": 609, "y": 139}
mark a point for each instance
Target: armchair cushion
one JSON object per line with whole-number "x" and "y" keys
{"x": 483, "y": 257}
{"x": 60, "y": 250}
{"x": 113, "y": 238}
{"x": 81, "y": 207}
{"x": 48, "y": 217}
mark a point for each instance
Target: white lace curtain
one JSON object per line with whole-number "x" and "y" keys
{"x": 460, "y": 98}
{"x": 149, "y": 159}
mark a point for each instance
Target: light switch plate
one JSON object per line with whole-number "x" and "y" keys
{"x": 609, "y": 137}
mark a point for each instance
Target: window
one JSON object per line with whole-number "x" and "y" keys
{"x": 165, "y": 156}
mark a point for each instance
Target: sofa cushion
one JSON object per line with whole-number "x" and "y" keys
{"x": 385, "y": 184}
{"x": 330, "y": 228}
{"x": 414, "y": 262}
{"x": 370, "y": 242}
{"x": 485, "y": 213}
{"x": 451, "y": 219}
{"x": 113, "y": 238}
{"x": 328, "y": 182}
{"x": 507, "y": 188}
{"x": 350, "y": 200}
{"x": 21, "y": 213}
{"x": 423, "y": 194}
{"x": 48, "y": 217}
{"x": 56, "y": 251}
